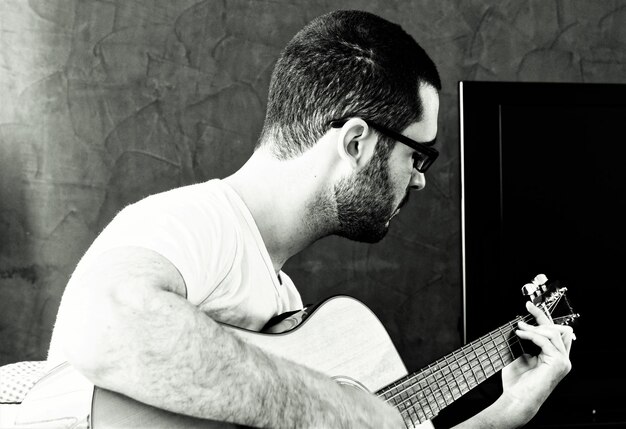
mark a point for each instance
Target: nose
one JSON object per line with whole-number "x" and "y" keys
{"x": 418, "y": 180}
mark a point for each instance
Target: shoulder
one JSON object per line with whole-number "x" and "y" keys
{"x": 189, "y": 227}
{"x": 199, "y": 209}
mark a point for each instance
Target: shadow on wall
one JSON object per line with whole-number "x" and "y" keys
{"x": 105, "y": 102}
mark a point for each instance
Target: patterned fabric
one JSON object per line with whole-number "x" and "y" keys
{"x": 17, "y": 379}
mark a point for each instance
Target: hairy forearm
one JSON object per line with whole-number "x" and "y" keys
{"x": 160, "y": 350}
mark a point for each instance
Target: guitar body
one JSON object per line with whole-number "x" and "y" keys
{"x": 342, "y": 338}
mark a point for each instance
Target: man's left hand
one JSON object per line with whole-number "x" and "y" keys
{"x": 530, "y": 379}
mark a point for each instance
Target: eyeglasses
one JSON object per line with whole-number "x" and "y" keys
{"x": 423, "y": 157}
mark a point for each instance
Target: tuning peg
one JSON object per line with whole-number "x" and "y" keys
{"x": 529, "y": 289}
{"x": 540, "y": 279}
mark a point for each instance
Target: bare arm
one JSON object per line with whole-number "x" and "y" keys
{"x": 130, "y": 330}
{"x": 529, "y": 380}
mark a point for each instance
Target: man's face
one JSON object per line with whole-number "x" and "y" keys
{"x": 367, "y": 201}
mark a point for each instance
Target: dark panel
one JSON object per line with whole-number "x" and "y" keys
{"x": 544, "y": 192}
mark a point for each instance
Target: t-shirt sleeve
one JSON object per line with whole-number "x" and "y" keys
{"x": 198, "y": 240}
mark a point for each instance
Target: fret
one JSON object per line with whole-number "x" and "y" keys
{"x": 462, "y": 372}
{"x": 448, "y": 376}
{"x": 433, "y": 410}
{"x": 411, "y": 411}
{"x": 506, "y": 341}
{"x": 403, "y": 396}
{"x": 494, "y": 345}
{"x": 497, "y": 347}
{"x": 450, "y": 398}
{"x": 417, "y": 398}
{"x": 421, "y": 409}
{"x": 506, "y": 359}
{"x": 492, "y": 354}
{"x": 480, "y": 358}
{"x": 513, "y": 340}
{"x": 410, "y": 418}
{"x": 498, "y": 365}
{"x": 467, "y": 371}
{"x": 446, "y": 392}
{"x": 490, "y": 368}
{"x": 422, "y": 395}
{"x": 482, "y": 368}
{"x": 413, "y": 417}
{"x": 458, "y": 387}
{"x": 437, "y": 378}
{"x": 476, "y": 382}
{"x": 411, "y": 406}
{"x": 389, "y": 392}
{"x": 385, "y": 394}
{"x": 424, "y": 384}
{"x": 521, "y": 345}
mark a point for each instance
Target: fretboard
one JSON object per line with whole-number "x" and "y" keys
{"x": 420, "y": 396}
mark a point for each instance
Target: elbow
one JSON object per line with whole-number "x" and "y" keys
{"x": 81, "y": 354}
{"x": 86, "y": 337}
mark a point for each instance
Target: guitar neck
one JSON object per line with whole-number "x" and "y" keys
{"x": 422, "y": 395}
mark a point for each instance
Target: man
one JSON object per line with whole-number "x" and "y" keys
{"x": 139, "y": 313}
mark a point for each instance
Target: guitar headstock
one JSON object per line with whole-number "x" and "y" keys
{"x": 547, "y": 296}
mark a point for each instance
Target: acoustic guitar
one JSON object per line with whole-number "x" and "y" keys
{"x": 340, "y": 337}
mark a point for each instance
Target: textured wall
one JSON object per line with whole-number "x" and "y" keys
{"x": 104, "y": 102}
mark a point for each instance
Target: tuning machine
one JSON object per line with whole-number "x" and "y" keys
{"x": 536, "y": 288}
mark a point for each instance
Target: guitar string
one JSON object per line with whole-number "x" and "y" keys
{"x": 510, "y": 325}
{"x": 416, "y": 375}
{"x": 452, "y": 374}
{"x": 441, "y": 398}
{"x": 472, "y": 361}
{"x": 427, "y": 408}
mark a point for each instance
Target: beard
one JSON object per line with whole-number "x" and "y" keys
{"x": 365, "y": 202}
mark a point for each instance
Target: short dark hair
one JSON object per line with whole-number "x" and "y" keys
{"x": 344, "y": 64}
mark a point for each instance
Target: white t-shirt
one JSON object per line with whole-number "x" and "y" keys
{"x": 207, "y": 232}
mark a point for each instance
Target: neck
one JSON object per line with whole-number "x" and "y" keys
{"x": 286, "y": 199}
{"x": 420, "y": 396}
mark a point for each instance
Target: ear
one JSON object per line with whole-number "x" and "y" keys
{"x": 356, "y": 143}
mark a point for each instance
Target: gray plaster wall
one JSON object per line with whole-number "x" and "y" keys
{"x": 105, "y": 102}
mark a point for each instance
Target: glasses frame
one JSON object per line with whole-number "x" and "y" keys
{"x": 429, "y": 154}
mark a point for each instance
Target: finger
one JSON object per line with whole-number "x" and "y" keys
{"x": 553, "y": 329}
{"x": 544, "y": 343}
{"x": 568, "y": 339}
{"x": 554, "y": 333}
{"x": 538, "y": 314}
{"x": 566, "y": 333}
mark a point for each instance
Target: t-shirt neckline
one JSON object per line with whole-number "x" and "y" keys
{"x": 254, "y": 228}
